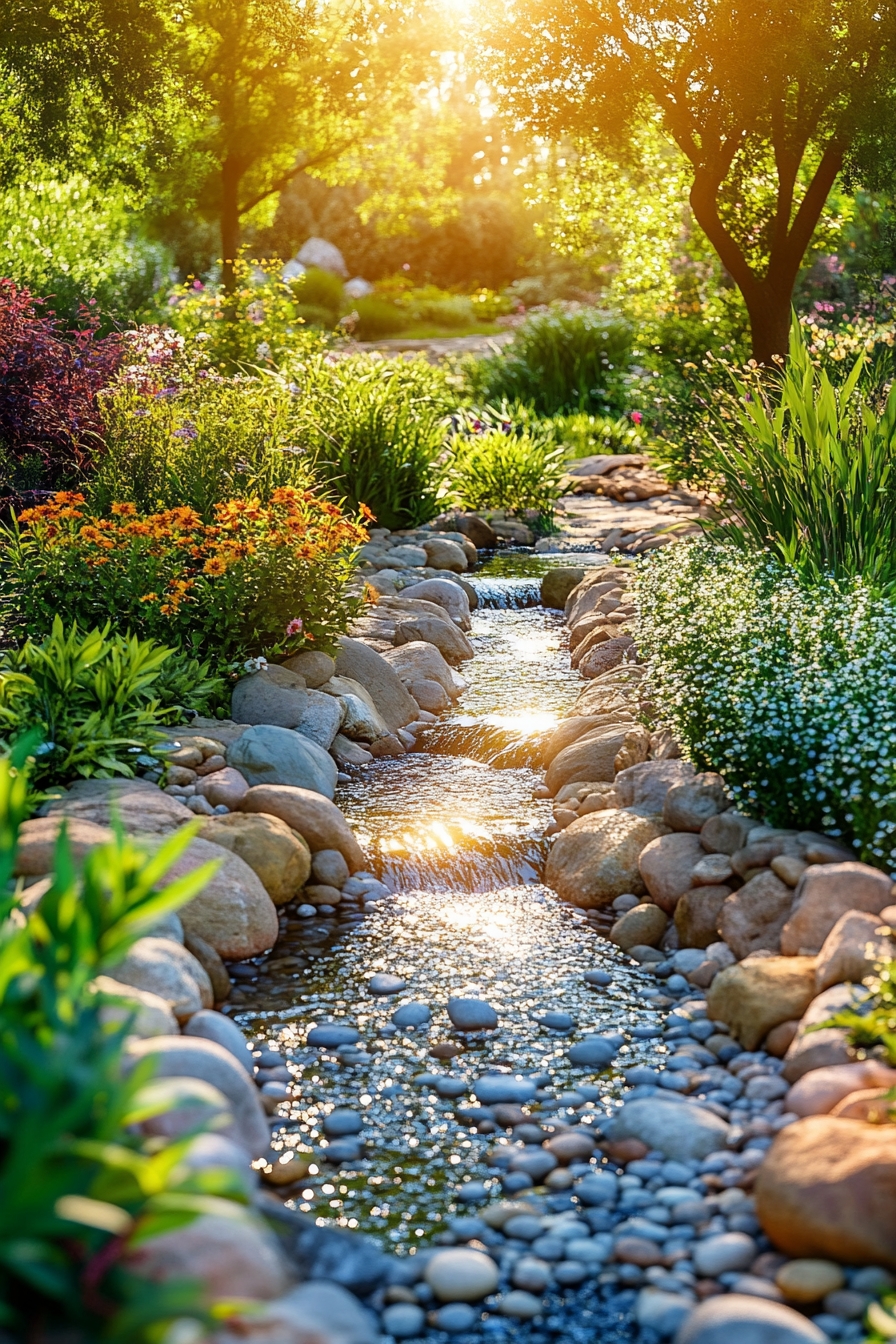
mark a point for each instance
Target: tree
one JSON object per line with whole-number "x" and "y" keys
{"x": 287, "y": 88}
{"x": 764, "y": 98}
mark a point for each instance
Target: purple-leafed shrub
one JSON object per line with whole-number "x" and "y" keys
{"x": 50, "y": 424}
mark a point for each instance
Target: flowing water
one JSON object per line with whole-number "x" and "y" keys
{"x": 454, "y": 832}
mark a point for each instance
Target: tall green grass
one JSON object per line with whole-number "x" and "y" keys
{"x": 806, "y": 469}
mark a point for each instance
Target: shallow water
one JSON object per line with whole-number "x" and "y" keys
{"x": 458, "y": 841}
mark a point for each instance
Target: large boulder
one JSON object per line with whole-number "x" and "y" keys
{"x": 596, "y": 858}
{"x": 451, "y": 643}
{"x": 667, "y": 866}
{"x": 211, "y": 1026}
{"x": 690, "y": 805}
{"x": 444, "y": 554}
{"x": 382, "y": 683}
{"x": 818, "y": 1092}
{"x": 726, "y": 832}
{"x": 314, "y": 817}
{"x": 361, "y": 720}
{"x": 135, "y": 803}
{"x": 759, "y": 993}
{"x": 597, "y": 590}
{"x": 269, "y": 755}
{"x": 683, "y": 1132}
{"x": 593, "y": 756}
{"x": 422, "y": 661}
{"x": 827, "y": 1187}
{"x": 644, "y": 925}
{"x": 445, "y": 594}
{"x": 314, "y": 668}
{"x": 230, "y": 1257}
{"x": 557, "y": 584}
{"x": 165, "y": 968}
{"x": 646, "y": 784}
{"x": 852, "y": 949}
{"x": 741, "y": 1318}
{"x": 610, "y": 654}
{"x": 322, "y": 719}
{"x": 753, "y": 917}
{"x": 37, "y": 841}
{"x": 147, "y": 1014}
{"x": 827, "y": 891}
{"x": 577, "y": 727}
{"x": 275, "y": 695}
{"x": 194, "y": 1057}
{"x": 232, "y": 912}
{"x": 278, "y": 856}
{"x": 697, "y": 915}
{"x": 816, "y": 1046}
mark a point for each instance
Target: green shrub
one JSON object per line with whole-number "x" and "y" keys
{"x": 89, "y": 695}
{"x": 874, "y": 1023}
{"x": 806, "y": 470}
{"x": 561, "y": 361}
{"x": 584, "y": 435}
{"x": 376, "y": 431}
{"x": 377, "y": 318}
{"x": 319, "y": 289}
{"x": 315, "y": 316}
{"x": 498, "y": 468}
{"x": 79, "y": 1186}
{"x": 786, "y": 689}
{"x": 198, "y": 442}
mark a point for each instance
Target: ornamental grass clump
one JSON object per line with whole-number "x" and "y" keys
{"x": 260, "y": 580}
{"x": 786, "y": 689}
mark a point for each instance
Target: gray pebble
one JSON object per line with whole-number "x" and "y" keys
{"x": 330, "y": 1034}
{"x": 594, "y": 1052}
{"x": 386, "y": 984}
{"x": 342, "y": 1122}
{"x": 411, "y": 1015}
{"x": 403, "y": 1320}
{"x": 472, "y": 1015}
{"x": 456, "y": 1317}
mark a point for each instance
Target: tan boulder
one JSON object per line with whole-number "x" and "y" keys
{"x": 816, "y": 1046}
{"x": 418, "y": 660}
{"x": 149, "y": 1014}
{"x": 667, "y": 866}
{"x": 634, "y": 750}
{"x": 578, "y": 727}
{"x": 37, "y": 840}
{"x": 601, "y": 630}
{"x": 874, "y": 1105}
{"x": 827, "y": 1188}
{"x": 689, "y": 806}
{"x": 826, "y": 892}
{"x": 646, "y": 784}
{"x": 230, "y": 1257}
{"x": 391, "y": 697}
{"x": 314, "y": 817}
{"x": 232, "y": 912}
{"x": 168, "y": 971}
{"x": 757, "y": 994}
{"x": 592, "y": 757}
{"x": 589, "y": 594}
{"x": 138, "y": 805}
{"x": 645, "y": 924}
{"x": 610, "y": 654}
{"x": 596, "y": 858}
{"x": 278, "y": 855}
{"x": 753, "y": 917}
{"x": 697, "y": 915}
{"x": 314, "y": 668}
{"x": 726, "y": 833}
{"x": 451, "y": 642}
{"x": 852, "y": 949}
{"x": 818, "y": 1092}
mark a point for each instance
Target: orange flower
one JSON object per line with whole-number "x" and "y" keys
{"x": 91, "y": 534}
{"x": 124, "y": 510}
{"x": 150, "y": 597}
{"x": 214, "y": 566}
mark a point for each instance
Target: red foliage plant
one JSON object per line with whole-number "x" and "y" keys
{"x": 49, "y": 380}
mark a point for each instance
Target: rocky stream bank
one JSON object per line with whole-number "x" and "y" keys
{"x": 466, "y": 1104}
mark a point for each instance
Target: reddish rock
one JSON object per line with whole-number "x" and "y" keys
{"x": 596, "y": 858}
{"x": 827, "y": 1188}
{"x": 779, "y": 1039}
{"x": 667, "y": 865}
{"x": 37, "y": 841}
{"x": 826, "y": 892}
{"x": 852, "y": 949}
{"x": 689, "y": 806}
{"x": 874, "y": 1106}
{"x": 638, "y": 1251}
{"x": 223, "y": 787}
{"x": 726, "y": 833}
{"x": 752, "y": 918}
{"x": 818, "y": 1092}
{"x": 315, "y": 818}
{"x": 608, "y": 655}
{"x": 816, "y": 1046}
{"x": 697, "y": 915}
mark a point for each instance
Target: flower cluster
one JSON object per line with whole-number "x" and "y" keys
{"x": 787, "y": 690}
{"x": 261, "y": 578}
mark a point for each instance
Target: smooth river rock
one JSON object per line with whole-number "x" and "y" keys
{"x": 736, "y": 1318}
{"x": 687, "y": 1133}
{"x": 265, "y": 755}
{"x": 278, "y": 856}
{"x": 233, "y": 912}
{"x": 382, "y": 683}
{"x": 596, "y": 858}
{"x": 275, "y": 695}
{"x": 315, "y": 818}
{"x": 825, "y": 892}
{"x": 757, "y": 994}
{"x": 472, "y": 1015}
{"x": 667, "y": 865}
{"x": 461, "y": 1275}
{"x": 168, "y": 970}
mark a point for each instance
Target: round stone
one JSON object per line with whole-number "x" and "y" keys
{"x": 451, "y": 1087}
{"x": 472, "y": 1015}
{"x": 522, "y": 1306}
{"x": 461, "y": 1275}
{"x": 556, "y": 1021}
{"x": 341, "y": 1122}
{"x": 411, "y": 1015}
{"x": 523, "y": 1226}
{"x": 809, "y": 1280}
{"x": 456, "y": 1318}
{"x": 386, "y": 984}
{"x": 723, "y": 1253}
{"x": 403, "y": 1320}
{"x": 531, "y": 1274}
{"x": 497, "y": 1087}
{"x": 570, "y": 1273}
{"x": 331, "y": 1034}
{"x": 598, "y": 979}
{"x": 594, "y": 1052}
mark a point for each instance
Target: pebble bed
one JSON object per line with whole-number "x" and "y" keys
{"x": 411, "y": 1146}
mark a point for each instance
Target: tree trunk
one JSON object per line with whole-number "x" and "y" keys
{"x": 231, "y": 175}
{"x": 769, "y": 309}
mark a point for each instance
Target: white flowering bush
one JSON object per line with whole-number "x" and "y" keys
{"x": 787, "y": 689}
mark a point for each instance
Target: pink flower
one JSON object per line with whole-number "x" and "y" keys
{"x": 637, "y": 417}
{"x": 294, "y": 627}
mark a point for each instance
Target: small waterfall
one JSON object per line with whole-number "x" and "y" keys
{"x": 502, "y": 594}
{"x": 504, "y": 748}
{"x": 476, "y": 864}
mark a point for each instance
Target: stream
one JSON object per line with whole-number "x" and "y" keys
{"x": 454, "y": 832}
